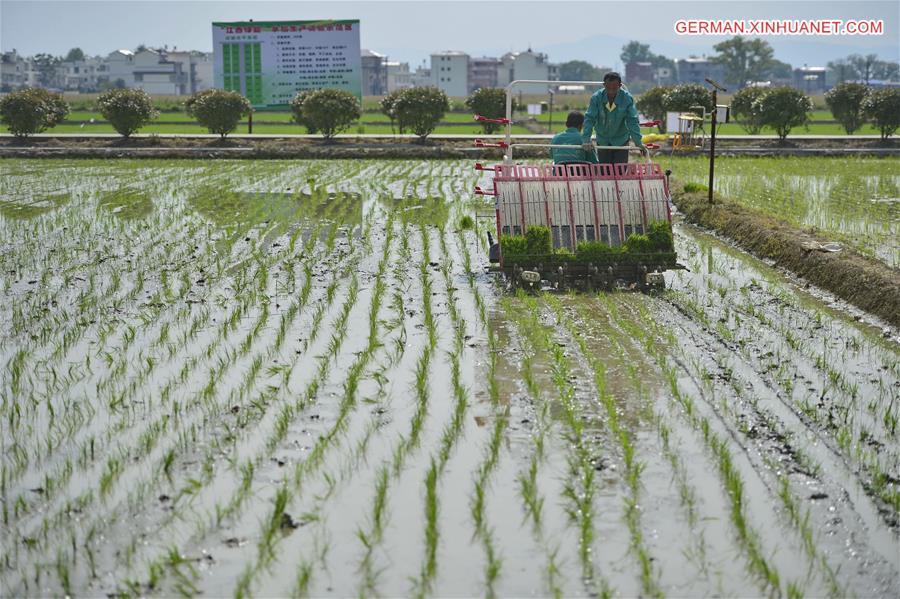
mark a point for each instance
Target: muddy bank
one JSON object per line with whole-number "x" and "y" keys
{"x": 867, "y": 283}
{"x": 185, "y": 146}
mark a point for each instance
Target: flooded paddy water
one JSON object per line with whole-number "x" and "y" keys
{"x": 297, "y": 378}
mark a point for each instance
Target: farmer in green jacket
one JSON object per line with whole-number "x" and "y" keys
{"x": 571, "y": 136}
{"x": 611, "y": 113}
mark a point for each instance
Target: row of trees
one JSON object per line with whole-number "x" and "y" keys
{"x": 419, "y": 110}
{"x": 324, "y": 111}
{"x": 746, "y": 60}
{"x": 34, "y": 110}
{"x": 782, "y": 108}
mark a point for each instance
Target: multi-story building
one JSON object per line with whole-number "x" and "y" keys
{"x": 450, "y": 72}
{"x": 526, "y": 65}
{"x": 120, "y": 68}
{"x": 197, "y": 68}
{"x": 697, "y": 70}
{"x": 13, "y": 70}
{"x": 83, "y": 75}
{"x": 421, "y": 77}
{"x": 374, "y": 73}
{"x": 398, "y": 76}
{"x": 483, "y": 72}
{"x": 640, "y": 71}
{"x": 810, "y": 80}
{"x": 154, "y": 73}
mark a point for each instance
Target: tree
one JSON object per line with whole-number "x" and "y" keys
{"x": 46, "y": 65}
{"x": 744, "y": 59}
{"x": 74, "y": 54}
{"x": 778, "y": 70}
{"x": 882, "y": 108}
{"x": 218, "y": 110}
{"x": 686, "y": 96}
{"x": 331, "y": 111}
{"x": 32, "y": 110}
{"x": 845, "y": 102}
{"x": 579, "y": 70}
{"x": 297, "y": 110}
{"x": 886, "y": 70}
{"x": 635, "y": 51}
{"x": 782, "y": 109}
{"x": 126, "y": 109}
{"x": 841, "y": 70}
{"x": 489, "y": 102}
{"x": 652, "y": 104}
{"x": 421, "y": 109}
{"x": 742, "y": 108}
{"x": 388, "y": 107}
{"x": 864, "y": 65}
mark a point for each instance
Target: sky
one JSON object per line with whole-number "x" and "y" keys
{"x": 410, "y": 30}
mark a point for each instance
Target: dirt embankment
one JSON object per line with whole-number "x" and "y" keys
{"x": 866, "y": 283}
{"x": 163, "y": 146}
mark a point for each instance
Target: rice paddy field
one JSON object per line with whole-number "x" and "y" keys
{"x": 297, "y": 378}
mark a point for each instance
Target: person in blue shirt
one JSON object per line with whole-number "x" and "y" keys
{"x": 572, "y": 136}
{"x": 612, "y": 115}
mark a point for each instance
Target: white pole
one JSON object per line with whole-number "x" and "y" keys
{"x": 509, "y": 90}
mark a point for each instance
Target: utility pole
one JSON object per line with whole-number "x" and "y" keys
{"x": 712, "y": 139}
{"x": 550, "y": 124}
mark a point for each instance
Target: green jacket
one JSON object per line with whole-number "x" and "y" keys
{"x": 615, "y": 126}
{"x": 571, "y": 136}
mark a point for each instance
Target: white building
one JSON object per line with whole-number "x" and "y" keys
{"x": 197, "y": 68}
{"x": 13, "y": 70}
{"x": 421, "y": 77}
{"x": 526, "y": 65}
{"x": 86, "y": 74}
{"x": 450, "y": 72}
{"x": 398, "y": 76}
{"x": 120, "y": 66}
{"x": 157, "y": 75}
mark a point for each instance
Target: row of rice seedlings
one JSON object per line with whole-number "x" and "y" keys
{"x": 77, "y": 406}
{"x": 248, "y": 466}
{"x": 150, "y": 313}
{"x": 403, "y": 449}
{"x": 852, "y": 437}
{"x": 748, "y": 538}
{"x": 625, "y": 438}
{"x": 91, "y": 302}
{"x": 112, "y": 433}
{"x": 532, "y": 499}
{"x": 249, "y": 412}
{"x": 453, "y": 429}
{"x": 739, "y": 409}
{"x": 69, "y": 334}
{"x": 169, "y": 454}
{"x": 255, "y": 410}
{"x": 579, "y": 488}
{"x": 781, "y": 487}
{"x": 269, "y": 539}
{"x": 500, "y": 417}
